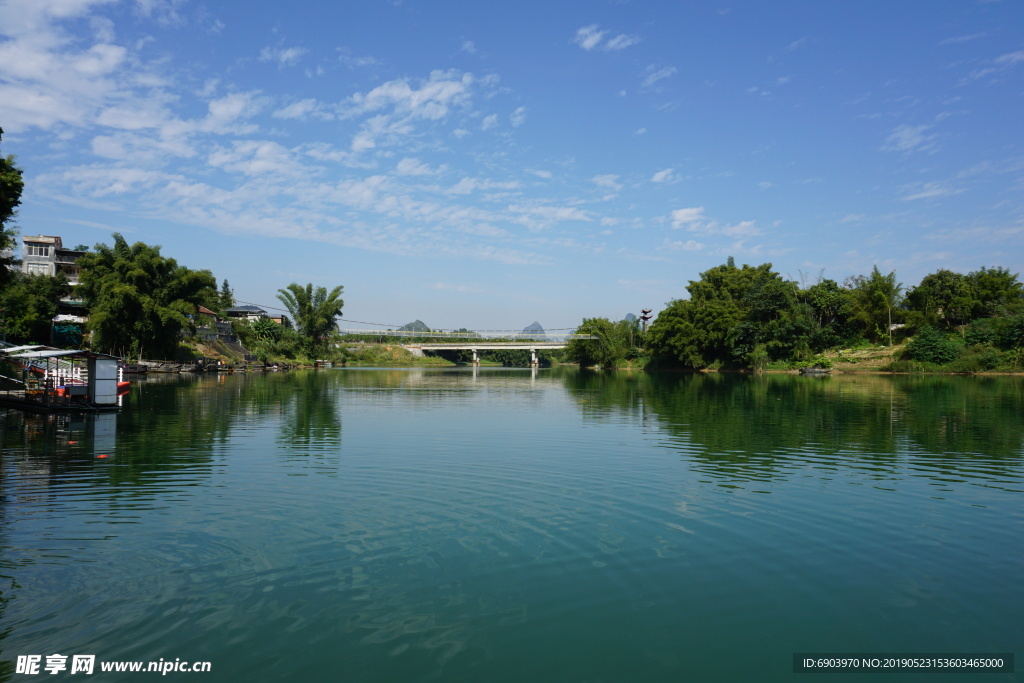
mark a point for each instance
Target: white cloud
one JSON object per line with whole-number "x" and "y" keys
{"x": 621, "y": 42}
{"x": 284, "y": 56}
{"x": 591, "y": 37}
{"x": 541, "y": 216}
{"x": 663, "y": 176}
{"x": 607, "y": 181}
{"x": 298, "y": 110}
{"x": 489, "y": 122}
{"x": 679, "y": 245}
{"x": 681, "y": 217}
{"x": 468, "y": 185}
{"x": 399, "y": 105}
{"x": 588, "y": 37}
{"x": 1000, "y": 63}
{"x": 909, "y": 139}
{"x": 931, "y": 190}
{"x": 468, "y": 47}
{"x": 252, "y": 158}
{"x": 1010, "y": 59}
{"x": 799, "y": 43}
{"x": 694, "y": 220}
{"x": 517, "y": 117}
{"x": 448, "y": 287}
{"x": 432, "y": 100}
{"x": 412, "y": 166}
{"x": 962, "y": 39}
{"x": 655, "y": 74}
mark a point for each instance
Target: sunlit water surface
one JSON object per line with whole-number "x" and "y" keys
{"x": 516, "y": 525}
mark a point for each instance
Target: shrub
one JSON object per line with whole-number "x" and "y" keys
{"x": 931, "y": 346}
{"x": 1013, "y": 334}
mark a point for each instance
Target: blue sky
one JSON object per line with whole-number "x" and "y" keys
{"x": 491, "y": 164}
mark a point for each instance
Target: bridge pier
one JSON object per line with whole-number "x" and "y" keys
{"x": 533, "y": 358}
{"x": 476, "y": 357}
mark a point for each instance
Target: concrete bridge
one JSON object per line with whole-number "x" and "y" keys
{"x": 476, "y": 346}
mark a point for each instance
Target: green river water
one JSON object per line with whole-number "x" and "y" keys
{"x": 516, "y": 525}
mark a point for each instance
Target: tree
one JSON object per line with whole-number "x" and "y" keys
{"x": 734, "y": 315}
{"x": 138, "y": 300}
{"x": 610, "y": 346}
{"x": 29, "y": 304}
{"x": 999, "y": 292}
{"x": 11, "y": 185}
{"x": 314, "y": 312}
{"x": 226, "y": 299}
{"x": 875, "y": 301}
{"x": 831, "y": 307}
{"x": 944, "y": 298}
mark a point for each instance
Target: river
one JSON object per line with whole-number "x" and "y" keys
{"x": 516, "y": 525}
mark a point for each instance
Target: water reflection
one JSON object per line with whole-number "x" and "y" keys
{"x": 311, "y": 420}
{"x": 760, "y": 426}
{"x": 483, "y": 523}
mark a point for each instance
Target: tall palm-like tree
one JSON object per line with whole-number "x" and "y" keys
{"x": 314, "y": 311}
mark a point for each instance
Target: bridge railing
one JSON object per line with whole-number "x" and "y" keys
{"x": 481, "y": 335}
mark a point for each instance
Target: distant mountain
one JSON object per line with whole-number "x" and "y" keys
{"x": 630, "y": 318}
{"x": 414, "y": 326}
{"x": 533, "y": 331}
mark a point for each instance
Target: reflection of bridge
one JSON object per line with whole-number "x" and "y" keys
{"x": 482, "y": 340}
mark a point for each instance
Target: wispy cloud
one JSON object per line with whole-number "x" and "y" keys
{"x": 284, "y": 56}
{"x": 684, "y": 217}
{"x": 653, "y": 74}
{"x": 663, "y": 176}
{"x": 956, "y": 40}
{"x": 907, "y": 138}
{"x": 591, "y": 37}
{"x": 996, "y": 66}
{"x": 694, "y": 220}
{"x": 681, "y": 245}
{"x": 588, "y": 37}
{"x": 608, "y": 181}
{"x": 799, "y": 43}
{"x": 517, "y": 117}
{"x": 930, "y": 190}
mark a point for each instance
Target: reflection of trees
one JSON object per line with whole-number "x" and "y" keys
{"x": 601, "y": 393}
{"x": 757, "y": 425}
{"x": 965, "y": 415}
{"x": 313, "y": 422}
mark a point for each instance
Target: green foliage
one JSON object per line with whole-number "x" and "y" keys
{"x": 11, "y": 186}
{"x": 1013, "y": 333}
{"x": 28, "y": 304}
{"x": 613, "y": 343}
{"x": 138, "y": 300}
{"x": 875, "y": 302}
{"x": 985, "y": 331}
{"x": 225, "y": 299}
{"x": 314, "y": 312}
{"x": 746, "y": 317}
{"x": 980, "y": 358}
{"x": 932, "y": 346}
{"x": 944, "y": 298}
{"x": 998, "y": 292}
